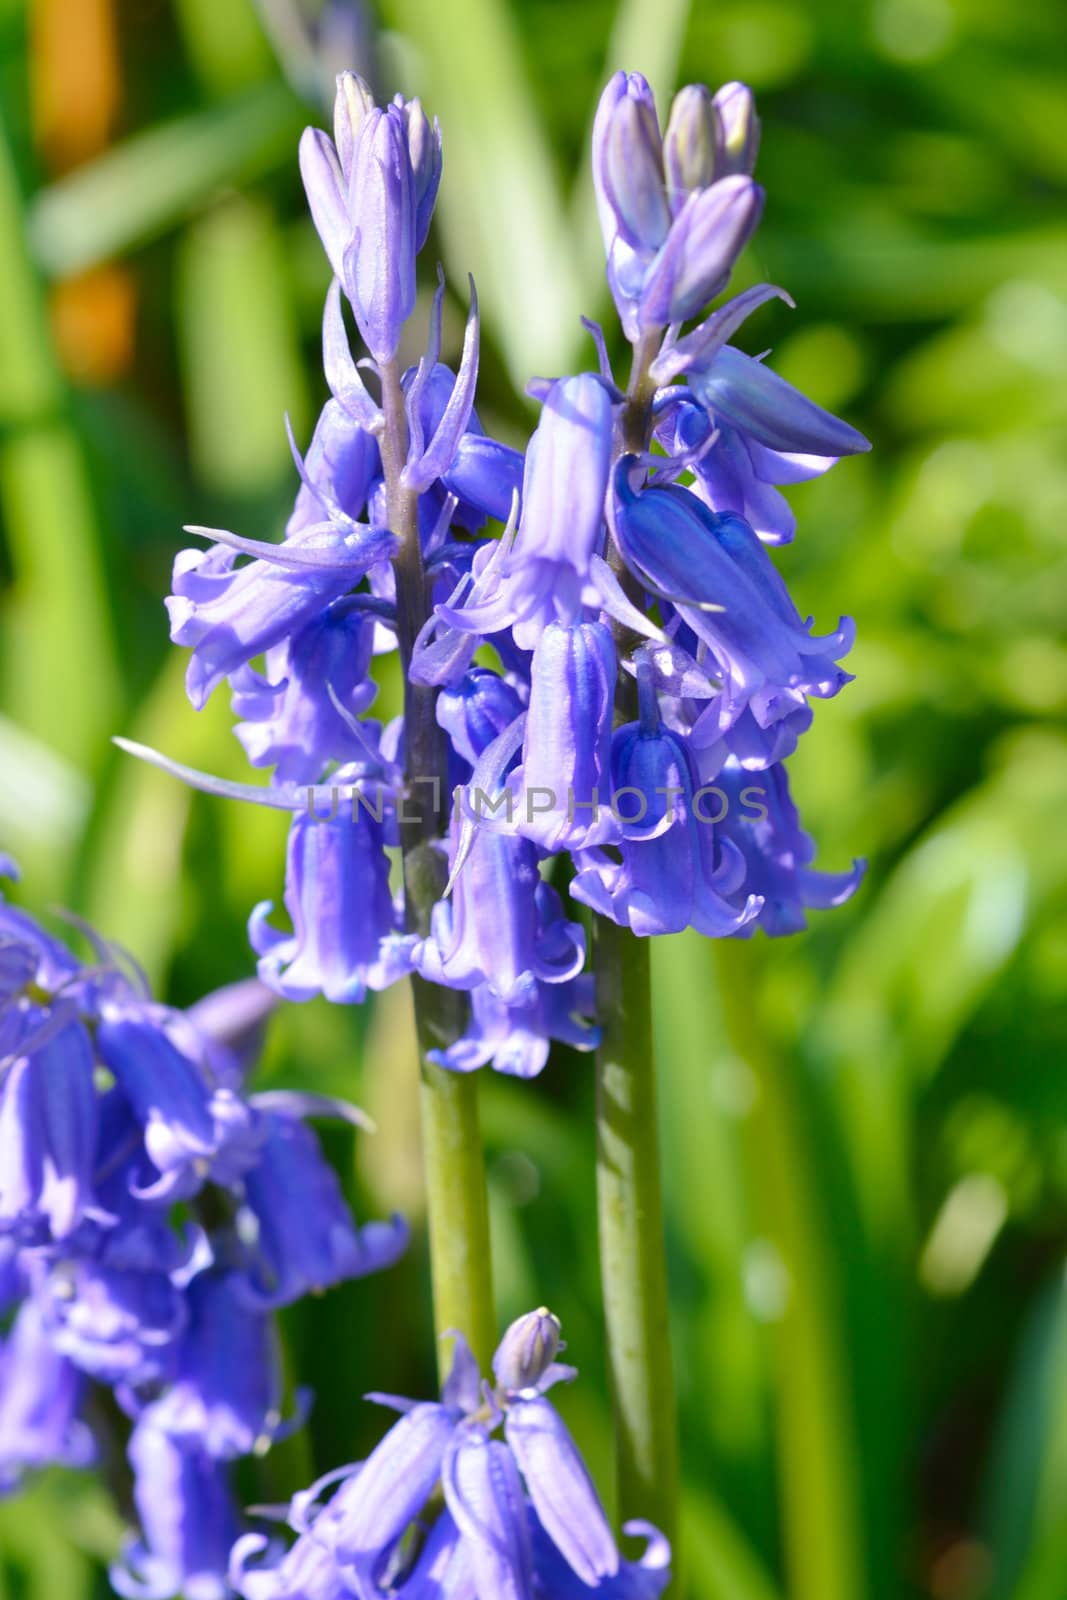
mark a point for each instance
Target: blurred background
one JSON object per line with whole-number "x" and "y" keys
{"x": 866, "y": 1125}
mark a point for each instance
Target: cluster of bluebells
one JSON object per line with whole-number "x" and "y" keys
{"x": 632, "y": 573}
{"x": 619, "y": 678}
{"x": 443, "y": 1509}
{"x": 154, "y": 1216}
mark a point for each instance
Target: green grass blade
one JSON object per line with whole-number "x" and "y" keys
{"x": 141, "y": 188}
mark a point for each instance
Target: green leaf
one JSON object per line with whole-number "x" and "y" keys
{"x": 143, "y": 187}
{"x": 241, "y": 357}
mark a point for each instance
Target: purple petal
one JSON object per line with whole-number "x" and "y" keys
{"x": 419, "y": 473}
{"x": 484, "y": 1494}
{"x": 771, "y": 411}
{"x": 397, "y": 1479}
{"x": 561, "y": 1489}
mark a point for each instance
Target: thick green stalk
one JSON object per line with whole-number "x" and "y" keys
{"x": 453, "y": 1157}
{"x": 632, "y": 1265}
{"x": 630, "y": 1207}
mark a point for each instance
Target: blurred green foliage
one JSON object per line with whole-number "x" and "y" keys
{"x": 866, "y": 1126}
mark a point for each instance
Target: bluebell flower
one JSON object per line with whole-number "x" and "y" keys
{"x": 719, "y": 578}
{"x": 737, "y": 129}
{"x": 762, "y": 822}
{"x": 227, "y": 615}
{"x": 384, "y": 1528}
{"x": 752, "y": 398}
{"x": 672, "y": 868}
{"x": 187, "y": 1123}
{"x": 40, "y": 1402}
{"x": 298, "y": 1233}
{"x": 225, "y": 1386}
{"x": 502, "y": 925}
{"x": 121, "y": 1326}
{"x": 48, "y": 1121}
{"x": 515, "y": 1039}
{"x": 690, "y": 148}
{"x": 474, "y": 711}
{"x": 188, "y": 1522}
{"x": 347, "y": 924}
{"x": 291, "y": 717}
{"x": 561, "y": 786}
{"x": 696, "y": 259}
{"x": 342, "y": 465}
{"x": 753, "y": 748}
{"x": 552, "y": 568}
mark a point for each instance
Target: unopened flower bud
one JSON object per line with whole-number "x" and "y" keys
{"x": 354, "y": 100}
{"x": 379, "y": 273}
{"x": 628, "y": 164}
{"x": 689, "y": 144}
{"x": 705, "y": 240}
{"x": 527, "y": 1350}
{"x": 738, "y": 130}
{"x": 424, "y": 149}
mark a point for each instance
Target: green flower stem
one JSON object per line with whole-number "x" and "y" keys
{"x": 453, "y": 1157}
{"x": 630, "y": 1207}
{"x": 633, "y": 1268}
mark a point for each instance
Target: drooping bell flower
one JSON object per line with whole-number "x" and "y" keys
{"x": 752, "y": 747}
{"x": 187, "y": 1123}
{"x": 719, "y": 578}
{"x": 480, "y": 1542}
{"x": 735, "y": 474}
{"x": 552, "y": 567}
{"x": 476, "y": 710}
{"x": 188, "y": 1522}
{"x": 674, "y": 870}
{"x": 347, "y": 925}
{"x": 227, "y": 615}
{"x": 298, "y": 1232}
{"x": 762, "y": 822}
{"x": 224, "y": 1394}
{"x": 48, "y": 1120}
{"x": 561, "y": 787}
{"x": 768, "y": 411}
{"x": 342, "y": 465}
{"x": 292, "y": 721}
{"x": 449, "y": 451}
{"x": 502, "y": 926}
{"x": 40, "y": 1400}
{"x": 119, "y": 1326}
{"x": 516, "y": 1039}
{"x": 695, "y": 261}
